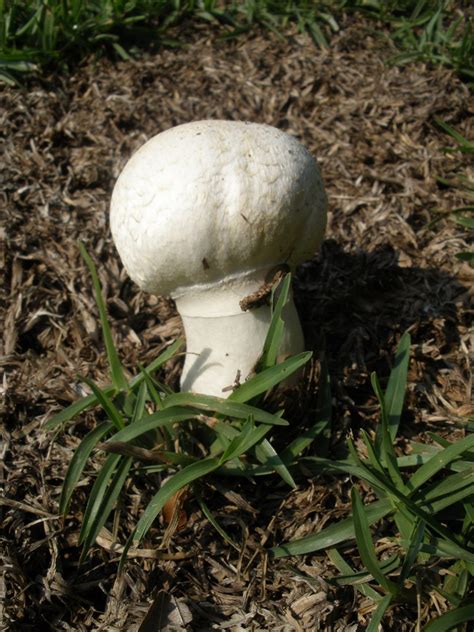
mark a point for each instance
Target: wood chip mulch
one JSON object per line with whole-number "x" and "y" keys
{"x": 385, "y": 267}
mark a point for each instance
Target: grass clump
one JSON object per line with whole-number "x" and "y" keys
{"x": 439, "y": 32}
{"x": 146, "y": 421}
{"x": 429, "y": 512}
{"x": 58, "y": 33}
{"x": 61, "y": 32}
{"x": 422, "y": 518}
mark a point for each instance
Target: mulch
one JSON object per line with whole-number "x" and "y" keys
{"x": 388, "y": 265}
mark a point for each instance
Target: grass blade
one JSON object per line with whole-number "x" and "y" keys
{"x": 439, "y": 461}
{"x": 140, "y": 403}
{"x": 458, "y": 550}
{"x": 416, "y": 541}
{"x": 274, "y": 336}
{"x": 296, "y": 447}
{"x": 317, "y": 465}
{"x": 108, "y": 501}
{"x": 465, "y": 256}
{"x": 91, "y": 400}
{"x": 383, "y": 604}
{"x": 116, "y": 371}
{"x": 317, "y": 34}
{"x": 334, "y": 534}
{"x": 246, "y": 439}
{"x": 366, "y": 546}
{"x": 158, "y": 362}
{"x": 356, "y": 578}
{"x": 373, "y": 459}
{"x": 267, "y": 379}
{"x": 377, "y": 478}
{"x": 107, "y": 404}
{"x": 405, "y": 521}
{"x": 383, "y": 442}
{"x": 268, "y": 456}
{"x": 155, "y": 396}
{"x": 97, "y": 494}
{"x": 229, "y": 408}
{"x": 156, "y": 420}
{"x": 210, "y": 516}
{"x": 456, "y": 583}
{"x": 450, "y": 490}
{"x": 464, "y": 144}
{"x": 445, "y": 548}
{"x": 75, "y": 409}
{"x": 78, "y": 462}
{"x": 451, "y": 619}
{"x": 388, "y": 488}
{"x": 184, "y": 477}
{"x": 343, "y": 567}
{"x": 397, "y": 383}
{"x": 321, "y": 428}
{"x": 442, "y": 548}
{"x": 190, "y": 473}
{"x": 467, "y": 222}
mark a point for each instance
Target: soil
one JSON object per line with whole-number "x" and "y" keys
{"x": 388, "y": 265}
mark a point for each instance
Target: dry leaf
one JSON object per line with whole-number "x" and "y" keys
{"x": 166, "y": 614}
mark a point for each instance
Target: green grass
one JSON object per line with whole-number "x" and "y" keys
{"x": 48, "y": 34}
{"x": 435, "y": 34}
{"x": 462, "y": 215}
{"x": 422, "y": 516}
{"x": 145, "y": 418}
{"x": 428, "y": 517}
{"x": 439, "y": 32}
{"x": 426, "y": 502}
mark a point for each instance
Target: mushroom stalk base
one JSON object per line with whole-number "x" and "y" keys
{"x": 222, "y": 350}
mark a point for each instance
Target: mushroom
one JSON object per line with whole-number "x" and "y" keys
{"x": 205, "y": 212}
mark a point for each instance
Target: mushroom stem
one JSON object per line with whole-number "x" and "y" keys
{"x": 223, "y": 342}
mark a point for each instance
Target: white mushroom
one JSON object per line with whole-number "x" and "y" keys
{"x": 204, "y": 212}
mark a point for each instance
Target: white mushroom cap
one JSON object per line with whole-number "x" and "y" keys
{"x": 214, "y": 203}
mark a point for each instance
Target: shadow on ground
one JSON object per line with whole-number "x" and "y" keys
{"x": 356, "y": 305}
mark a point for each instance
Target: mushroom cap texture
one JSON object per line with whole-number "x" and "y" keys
{"x": 212, "y": 202}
